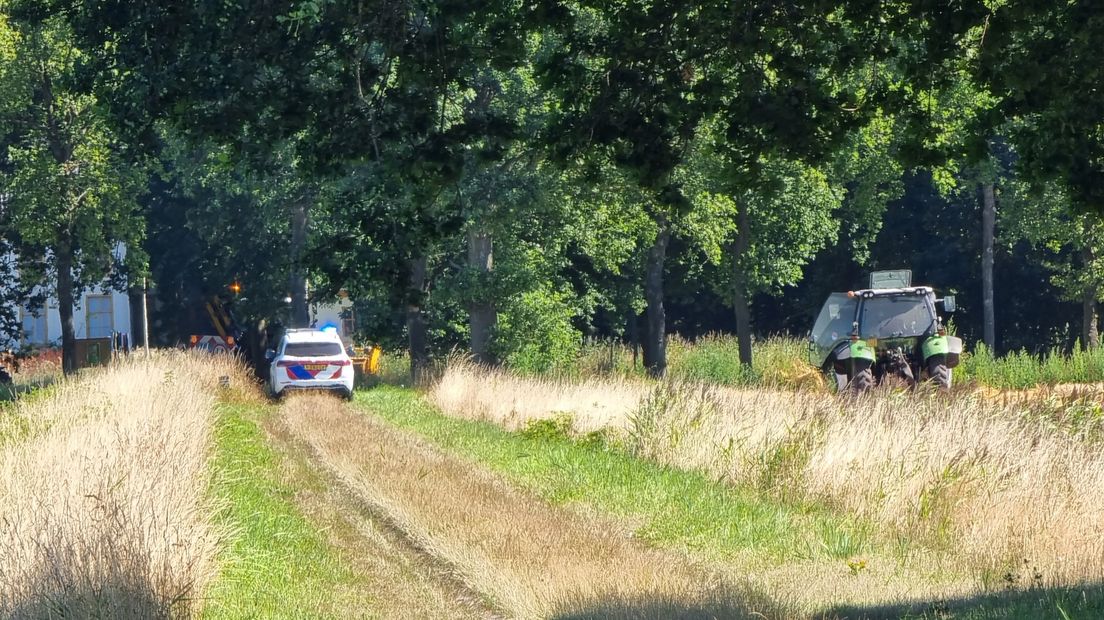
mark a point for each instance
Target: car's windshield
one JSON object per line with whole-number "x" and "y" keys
{"x": 312, "y": 349}
{"x": 834, "y": 321}
{"x": 896, "y": 316}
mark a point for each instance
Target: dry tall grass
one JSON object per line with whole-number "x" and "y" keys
{"x": 1011, "y": 493}
{"x": 534, "y": 560}
{"x": 103, "y": 492}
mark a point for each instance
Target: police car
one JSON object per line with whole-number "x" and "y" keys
{"x": 310, "y": 359}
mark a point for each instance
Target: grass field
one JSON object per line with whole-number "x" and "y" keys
{"x": 103, "y": 484}
{"x": 494, "y": 495}
{"x": 275, "y": 563}
{"x": 781, "y": 362}
{"x": 971, "y": 486}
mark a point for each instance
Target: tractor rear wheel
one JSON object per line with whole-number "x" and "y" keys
{"x": 939, "y": 373}
{"x": 862, "y": 381}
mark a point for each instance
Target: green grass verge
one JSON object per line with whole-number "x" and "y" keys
{"x": 275, "y": 565}
{"x": 671, "y": 507}
{"x": 680, "y": 509}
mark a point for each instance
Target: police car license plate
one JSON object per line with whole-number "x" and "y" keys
{"x": 314, "y": 366}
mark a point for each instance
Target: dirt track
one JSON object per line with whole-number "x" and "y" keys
{"x": 483, "y": 547}
{"x": 398, "y": 579}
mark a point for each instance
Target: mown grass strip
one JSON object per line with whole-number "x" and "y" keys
{"x": 672, "y": 507}
{"x": 276, "y": 565}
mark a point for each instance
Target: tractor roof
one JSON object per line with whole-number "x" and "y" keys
{"x": 867, "y": 293}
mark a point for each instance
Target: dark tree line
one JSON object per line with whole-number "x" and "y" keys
{"x": 517, "y": 175}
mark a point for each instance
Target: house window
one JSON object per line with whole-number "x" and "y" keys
{"x": 99, "y": 316}
{"x": 34, "y": 327}
{"x": 348, "y": 323}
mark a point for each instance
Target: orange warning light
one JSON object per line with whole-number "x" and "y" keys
{"x": 235, "y": 287}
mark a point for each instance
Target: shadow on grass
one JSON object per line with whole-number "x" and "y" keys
{"x": 1073, "y": 603}
{"x": 14, "y": 391}
{"x": 717, "y": 605}
{"x": 48, "y": 599}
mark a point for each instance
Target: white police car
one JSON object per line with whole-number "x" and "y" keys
{"x": 310, "y": 359}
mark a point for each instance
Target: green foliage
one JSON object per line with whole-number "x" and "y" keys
{"x": 778, "y": 362}
{"x": 871, "y": 176}
{"x": 1071, "y": 244}
{"x": 714, "y": 359}
{"x": 535, "y": 333}
{"x": 69, "y": 189}
{"x": 572, "y": 133}
{"x": 1021, "y": 369}
{"x": 558, "y": 427}
{"x": 792, "y": 216}
{"x": 1033, "y": 56}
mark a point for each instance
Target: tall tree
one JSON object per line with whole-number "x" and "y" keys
{"x": 69, "y": 189}
{"x": 635, "y": 82}
{"x": 380, "y": 82}
{"x": 1073, "y": 244}
{"x": 761, "y": 238}
{"x": 1033, "y": 59}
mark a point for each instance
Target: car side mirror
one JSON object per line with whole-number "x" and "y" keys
{"x": 949, "y": 303}
{"x": 270, "y": 355}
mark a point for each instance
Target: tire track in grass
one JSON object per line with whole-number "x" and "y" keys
{"x": 300, "y": 548}
{"x": 530, "y": 559}
{"x": 404, "y": 583}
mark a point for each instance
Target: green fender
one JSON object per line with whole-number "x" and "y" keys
{"x": 948, "y": 346}
{"x": 860, "y": 350}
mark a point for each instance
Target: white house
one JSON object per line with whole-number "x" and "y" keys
{"x": 339, "y": 315}
{"x": 99, "y": 313}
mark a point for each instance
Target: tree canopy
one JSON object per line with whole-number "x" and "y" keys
{"x": 515, "y": 177}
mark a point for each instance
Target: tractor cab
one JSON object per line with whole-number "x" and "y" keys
{"x": 891, "y": 329}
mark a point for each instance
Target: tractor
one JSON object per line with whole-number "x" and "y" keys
{"x": 887, "y": 333}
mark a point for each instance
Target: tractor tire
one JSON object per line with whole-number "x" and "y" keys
{"x": 836, "y": 382}
{"x": 939, "y": 373}
{"x": 862, "y": 382}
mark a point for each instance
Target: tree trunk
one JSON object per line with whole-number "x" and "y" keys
{"x": 988, "y": 226}
{"x": 655, "y": 336}
{"x": 633, "y": 327}
{"x": 1090, "y": 336}
{"x": 297, "y": 279}
{"x": 483, "y": 315}
{"x": 415, "y": 319}
{"x": 64, "y": 263}
{"x": 740, "y": 305}
{"x": 136, "y": 308}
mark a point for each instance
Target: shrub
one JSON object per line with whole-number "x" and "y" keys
{"x": 535, "y": 335}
